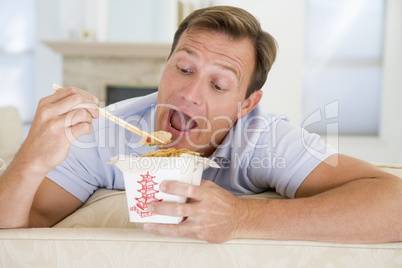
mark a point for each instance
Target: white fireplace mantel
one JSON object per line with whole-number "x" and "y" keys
{"x": 108, "y": 49}
{"x": 93, "y": 66}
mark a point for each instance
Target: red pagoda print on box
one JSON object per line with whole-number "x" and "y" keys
{"x": 147, "y": 195}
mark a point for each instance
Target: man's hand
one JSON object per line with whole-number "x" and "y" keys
{"x": 353, "y": 202}
{"x": 213, "y": 214}
{"x": 60, "y": 119}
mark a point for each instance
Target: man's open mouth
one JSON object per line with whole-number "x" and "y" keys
{"x": 180, "y": 121}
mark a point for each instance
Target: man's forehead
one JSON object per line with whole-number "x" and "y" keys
{"x": 185, "y": 49}
{"x": 192, "y": 43}
{"x": 224, "y": 66}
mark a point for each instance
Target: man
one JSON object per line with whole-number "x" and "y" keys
{"x": 208, "y": 99}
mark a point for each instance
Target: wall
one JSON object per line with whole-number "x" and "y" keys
{"x": 282, "y": 92}
{"x": 48, "y": 65}
{"x": 65, "y": 19}
{"x": 284, "y": 20}
{"x": 142, "y": 21}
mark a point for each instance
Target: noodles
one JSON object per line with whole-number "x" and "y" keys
{"x": 170, "y": 152}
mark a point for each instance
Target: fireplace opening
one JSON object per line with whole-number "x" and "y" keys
{"x": 118, "y": 93}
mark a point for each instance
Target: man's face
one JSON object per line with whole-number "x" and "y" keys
{"x": 202, "y": 89}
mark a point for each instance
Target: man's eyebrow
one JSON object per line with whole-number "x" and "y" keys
{"x": 223, "y": 66}
{"x": 188, "y": 51}
{"x": 229, "y": 68}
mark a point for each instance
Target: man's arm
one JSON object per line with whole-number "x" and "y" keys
{"x": 51, "y": 204}
{"x": 352, "y": 202}
{"x": 59, "y": 120}
{"x": 22, "y": 206}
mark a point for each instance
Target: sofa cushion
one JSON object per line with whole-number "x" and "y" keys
{"x": 2, "y": 166}
{"x": 393, "y": 169}
{"x": 108, "y": 208}
{"x": 11, "y": 132}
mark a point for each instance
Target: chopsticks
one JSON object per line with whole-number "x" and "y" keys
{"x": 124, "y": 124}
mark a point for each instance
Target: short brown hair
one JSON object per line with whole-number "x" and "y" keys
{"x": 238, "y": 24}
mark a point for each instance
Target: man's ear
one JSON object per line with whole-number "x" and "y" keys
{"x": 250, "y": 103}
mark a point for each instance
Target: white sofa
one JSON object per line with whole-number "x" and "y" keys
{"x": 99, "y": 234}
{"x": 11, "y": 132}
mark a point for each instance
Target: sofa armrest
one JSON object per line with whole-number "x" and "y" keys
{"x": 116, "y": 247}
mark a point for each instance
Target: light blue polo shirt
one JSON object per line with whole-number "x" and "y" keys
{"x": 262, "y": 151}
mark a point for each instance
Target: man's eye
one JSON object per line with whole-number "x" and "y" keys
{"x": 183, "y": 70}
{"x": 215, "y": 86}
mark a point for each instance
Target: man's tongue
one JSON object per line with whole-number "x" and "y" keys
{"x": 181, "y": 122}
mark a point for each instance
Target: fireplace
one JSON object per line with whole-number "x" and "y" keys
{"x": 118, "y": 93}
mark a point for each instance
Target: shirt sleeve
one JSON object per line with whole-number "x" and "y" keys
{"x": 84, "y": 170}
{"x": 291, "y": 154}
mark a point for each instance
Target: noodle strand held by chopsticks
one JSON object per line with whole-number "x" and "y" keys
{"x": 170, "y": 152}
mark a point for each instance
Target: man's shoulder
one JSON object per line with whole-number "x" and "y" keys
{"x": 262, "y": 119}
{"x": 255, "y": 128}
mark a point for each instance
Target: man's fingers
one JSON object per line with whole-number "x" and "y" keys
{"x": 68, "y": 91}
{"x": 75, "y": 102}
{"x": 184, "y": 228}
{"x": 68, "y": 99}
{"x": 163, "y": 229}
{"x": 211, "y": 215}
{"x": 181, "y": 189}
{"x": 172, "y": 209}
{"x": 78, "y": 130}
{"x": 78, "y": 116}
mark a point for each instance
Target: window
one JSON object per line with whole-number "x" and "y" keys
{"x": 343, "y": 66}
{"x": 17, "y": 44}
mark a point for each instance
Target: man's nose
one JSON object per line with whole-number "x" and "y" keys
{"x": 193, "y": 92}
